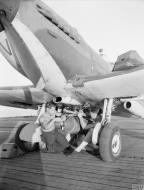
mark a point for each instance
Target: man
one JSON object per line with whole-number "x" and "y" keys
{"x": 88, "y": 121}
{"x": 48, "y": 133}
{"x": 54, "y": 140}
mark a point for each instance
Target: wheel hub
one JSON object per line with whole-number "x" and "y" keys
{"x": 116, "y": 144}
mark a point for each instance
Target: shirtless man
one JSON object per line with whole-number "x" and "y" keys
{"x": 50, "y": 138}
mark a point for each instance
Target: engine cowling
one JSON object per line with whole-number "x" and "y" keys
{"x": 135, "y": 107}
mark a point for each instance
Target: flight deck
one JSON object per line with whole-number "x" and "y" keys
{"x": 81, "y": 171}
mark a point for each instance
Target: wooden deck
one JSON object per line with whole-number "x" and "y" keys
{"x": 83, "y": 171}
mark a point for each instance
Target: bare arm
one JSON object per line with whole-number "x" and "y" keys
{"x": 83, "y": 121}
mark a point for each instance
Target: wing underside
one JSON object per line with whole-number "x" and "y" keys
{"x": 23, "y": 97}
{"x": 128, "y": 83}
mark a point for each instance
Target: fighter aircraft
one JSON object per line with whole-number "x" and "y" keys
{"x": 63, "y": 68}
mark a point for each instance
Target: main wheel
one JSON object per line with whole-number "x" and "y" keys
{"x": 24, "y": 145}
{"x": 110, "y": 143}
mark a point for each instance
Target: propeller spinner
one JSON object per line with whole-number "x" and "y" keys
{"x": 9, "y": 8}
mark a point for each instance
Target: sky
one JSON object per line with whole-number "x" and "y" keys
{"x": 115, "y": 25}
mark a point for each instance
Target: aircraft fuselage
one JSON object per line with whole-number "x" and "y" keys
{"x": 66, "y": 46}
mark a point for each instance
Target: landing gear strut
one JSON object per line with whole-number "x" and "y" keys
{"x": 110, "y": 143}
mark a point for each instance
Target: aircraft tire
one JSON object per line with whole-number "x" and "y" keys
{"x": 110, "y": 143}
{"x": 24, "y": 145}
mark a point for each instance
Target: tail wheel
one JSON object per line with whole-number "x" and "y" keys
{"x": 24, "y": 145}
{"x": 110, "y": 143}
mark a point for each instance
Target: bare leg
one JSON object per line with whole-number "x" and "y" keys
{"x": 85, "y": 142}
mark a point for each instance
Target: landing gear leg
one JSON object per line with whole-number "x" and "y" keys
{"x": 110, "y": 143}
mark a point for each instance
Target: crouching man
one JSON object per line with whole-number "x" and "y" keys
{"x": 89, "y": 121}
{"x": 51, "y": 134}
{"x": 51, "y": 138}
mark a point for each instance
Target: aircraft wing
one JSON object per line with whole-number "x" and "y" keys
{"x": 23, "y": 97}
{"x": 117, "y": 84}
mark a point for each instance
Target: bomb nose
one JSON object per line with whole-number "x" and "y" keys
{"x": 9, "y": 8}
